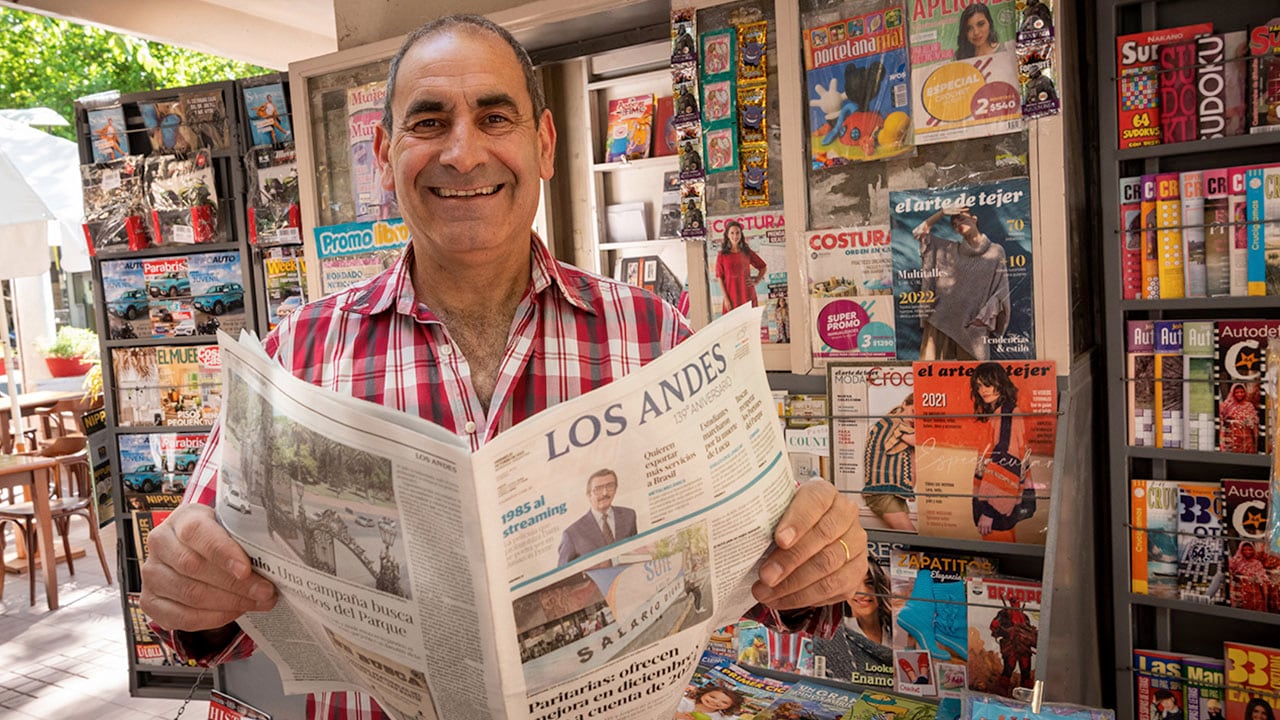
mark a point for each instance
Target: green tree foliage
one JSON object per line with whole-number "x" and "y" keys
{"x": 48, "y": 62}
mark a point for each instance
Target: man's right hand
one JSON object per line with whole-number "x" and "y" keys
{"x": 196, "y": 577}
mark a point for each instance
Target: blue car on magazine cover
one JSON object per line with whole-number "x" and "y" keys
{"x": 220, "y": 298}
{"x": 169, "y": 285}
{"x": 144, "y": 478}
{"x": 130, "y": 304}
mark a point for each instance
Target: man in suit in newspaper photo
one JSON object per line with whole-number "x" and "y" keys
{"x": 602, "y": 525}
{"x": 475, "y": 328}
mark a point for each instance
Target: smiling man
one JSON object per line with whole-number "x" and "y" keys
{"x": 476, "y": 328}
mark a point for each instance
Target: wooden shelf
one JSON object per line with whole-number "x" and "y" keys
{"x": 669, "y": 162}
{"x": 641, "y": 244}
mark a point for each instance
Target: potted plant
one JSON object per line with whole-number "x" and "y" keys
{"x": 72, "y": 351}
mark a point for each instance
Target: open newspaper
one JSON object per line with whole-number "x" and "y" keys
{"x": 456, "y": 585}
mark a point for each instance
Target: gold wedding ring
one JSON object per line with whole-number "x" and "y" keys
{"x": 845, "y": 545}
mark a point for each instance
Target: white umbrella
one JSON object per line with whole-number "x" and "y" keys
{"x": 37, "y": 204}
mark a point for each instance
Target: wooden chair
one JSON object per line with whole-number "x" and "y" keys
{"x": 70, "y": 494}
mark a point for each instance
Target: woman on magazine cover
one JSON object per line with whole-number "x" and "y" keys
{"x": 864, "y": 635}
{"x": 999, "y": 491}
{"x": 970, "y": 281}
{"x": 734, "y": 268}
{"x": 977, "y": 36}
{"x": 1239, "y": 417}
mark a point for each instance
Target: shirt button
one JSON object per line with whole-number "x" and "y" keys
{"x": 470, "y": 427}
{"x": 446, "y": 350}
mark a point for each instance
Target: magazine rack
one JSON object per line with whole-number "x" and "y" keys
{"x": 1144, "y": 621}
{"x": 147, "y": 332}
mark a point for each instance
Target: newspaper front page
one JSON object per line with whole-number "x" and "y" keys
{"x": 452, "y": 585}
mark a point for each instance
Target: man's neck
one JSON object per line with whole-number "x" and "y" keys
{"x": 477, "y": 302}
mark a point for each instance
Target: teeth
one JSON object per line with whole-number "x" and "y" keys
{"x": 448, "y": 192}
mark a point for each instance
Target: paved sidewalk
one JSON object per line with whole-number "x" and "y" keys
{"x": 72, "y": 663}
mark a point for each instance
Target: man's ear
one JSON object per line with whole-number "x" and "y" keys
{"x": 546, "y": 146}
{"x": 382, "y": 149}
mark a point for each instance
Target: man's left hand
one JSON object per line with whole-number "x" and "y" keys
{"x": 811, "y": 566}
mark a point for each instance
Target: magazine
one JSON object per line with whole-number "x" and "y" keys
{"x": 155, "y": 467}
{"x": 206, "y": 114}
{"x": 352, "y": 252}
{"x": 95, "y": 425}
{"x": 470, "y": 547}
{"x": 1138, "y": 89}
{"x": 126, "y": 299}
{"x": 274, "y": 214}
{"x": 109, "y": 136}
{"x": 1202, "y": 573}
{"x": 1251, "y": 583}
{"x": 167, "y": 386}
{"x": 764, "y": 234}
{"x": 217, "y": 292}
{"x": 284, "y": 277}
{"x": 147, "y": 648}
{"x": 964, "y": 71}
{"x": 1240, "y": 365}
{"x": 630, "y": 131}
{"x": 167, "y": 128}
{"x": 364, "y": 113}
{"x": 929, "y": 616}
{"x": 114, "y": 205}
{"x": 962, "y": 272}
{"x": 1252, "y": 672}
{"x": 873, "y": 442}
{"x": 184, "y": 199}
{"x": 849, "y": 272}
{"x": 985, "y": 435}
{"x": 855, "y": 654}
{"x": 268, "y": 110}
{"x": 810, "y": 701}
{"x": 1004, "y": 634}
{"x": 743, "y": 694}
{"x": 1160, "y": 689}
{"x": 856, "y": 76}
{"x": 144, "y": 521}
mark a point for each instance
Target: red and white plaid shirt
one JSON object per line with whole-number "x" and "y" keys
{"x": 572, "y": 332}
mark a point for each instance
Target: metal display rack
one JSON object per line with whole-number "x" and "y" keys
{"x": 1143, "y": 621}
{"x": 146, "y": 680}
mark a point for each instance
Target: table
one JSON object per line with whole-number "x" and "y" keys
{"x": 26, "y": 470}
{"x": 28, "y": 402}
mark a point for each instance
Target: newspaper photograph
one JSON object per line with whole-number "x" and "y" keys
{"x": 573, "y": 567}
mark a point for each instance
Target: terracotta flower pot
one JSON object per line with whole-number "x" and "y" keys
{"x": 67, "y": 367}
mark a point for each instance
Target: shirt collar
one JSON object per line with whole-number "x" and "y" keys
{"x": 394, "y": 288}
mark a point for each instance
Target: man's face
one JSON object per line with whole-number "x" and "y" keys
{"x": 466, "y": 155}
{"x": 600, "y": 492}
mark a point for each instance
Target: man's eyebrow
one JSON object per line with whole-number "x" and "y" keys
{"x": 499, "y": 99}
{"x": 424, "y": 105}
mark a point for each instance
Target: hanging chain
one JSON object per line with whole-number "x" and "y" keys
{"x": 191, "y": 693}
